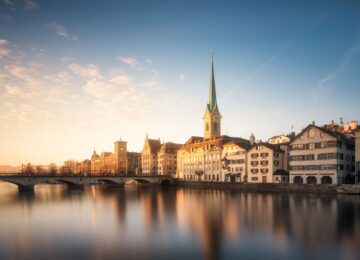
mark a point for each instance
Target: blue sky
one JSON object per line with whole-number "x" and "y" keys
{"x": 77, "y": 75}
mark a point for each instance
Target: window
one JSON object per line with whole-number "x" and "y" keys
{"x": 254, "y": 178}
{"x": 263, "y": 155}
{"x": 254, "y": 163}
{"x": 264, "y": 163}
{"x": 276, "y": 163}
{"x": 254, "y": 155}
{"x": 254, "y": 170}
{"x": 309, "y": 157}
{"x": 264, "y": 170}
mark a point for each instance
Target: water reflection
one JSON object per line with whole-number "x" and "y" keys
{"x": 103, "y": 222}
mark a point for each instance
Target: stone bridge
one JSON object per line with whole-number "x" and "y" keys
{"x": 27, "y": 183}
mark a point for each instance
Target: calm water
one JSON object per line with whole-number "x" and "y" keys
{"x": 146, "y": 222}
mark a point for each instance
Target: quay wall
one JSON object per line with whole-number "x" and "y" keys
{"x": 271, "y": 187}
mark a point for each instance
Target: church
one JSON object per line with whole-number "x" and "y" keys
{"x": 204, "y": 158}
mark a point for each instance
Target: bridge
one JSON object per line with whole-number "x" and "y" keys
{"x": 27, "y": 182}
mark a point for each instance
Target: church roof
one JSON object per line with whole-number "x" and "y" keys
{"x": 199, "y": 142}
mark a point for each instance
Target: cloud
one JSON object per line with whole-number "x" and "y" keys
{"x": 31, "y": 5}
{"x": 150, "y": 84}
{"x": 9, "y": 2}
{"x": 131, "y": 61}
{"x": 322, "y": 86}
{"x": 61, "y": 30}
{"x": 4, "y": 51}
{"x": 87, "y": 71}
{"x": 182, "y": 77}
{"x": 149, "y": 61}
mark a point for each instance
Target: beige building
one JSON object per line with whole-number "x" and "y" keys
{"x": 357, "y": 156}
{"x": 149, "y": 160}
{"x": 234, "y": 161}
{"x": 166, "y": 156}
{"x": 201, "y": 158}
{"x": 110, "y": 163}
{"x": 321, "y": 156}
{"x": 265, "y": 164}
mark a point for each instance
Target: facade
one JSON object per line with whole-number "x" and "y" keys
{"x": 167, "y": 159}
{"x": 357, "y": 156}
{"x": 201, "y": 158}
{"x": 110, "y": 163}
{"x": 265, "y": 164}
{"x": 321, "y": 156}
{"x": 149, "y": 160}
{"x": 133, "y": 163}
{"x": 234, "y": 161}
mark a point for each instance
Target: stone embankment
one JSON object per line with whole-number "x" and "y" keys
{"x": 271, "y": 187}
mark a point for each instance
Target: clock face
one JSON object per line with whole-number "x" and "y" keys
{"x": 312, "y": 133}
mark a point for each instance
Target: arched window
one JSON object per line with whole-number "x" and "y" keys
{"x": 326, "y": 180}
{"x": 311, "y": 180}
{"x": 298, "y": 180}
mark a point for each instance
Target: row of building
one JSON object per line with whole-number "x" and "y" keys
{"x": 317, "y": 155}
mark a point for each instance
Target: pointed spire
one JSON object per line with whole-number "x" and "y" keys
{"x": 212, "y": 102}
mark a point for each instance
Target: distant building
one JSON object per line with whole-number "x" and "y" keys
{"x": 342, "y": 127}
{"x": 319, "y": 155}
{"x": 149, "y": 160}
{"x": 110, "y": 163}
{"x": 166, "y": 156}
{"x": 357, "y": 156}
{"x": 279, "y": 139}
{"x": 265, "y": 163}
{"x": 201, "y": 158}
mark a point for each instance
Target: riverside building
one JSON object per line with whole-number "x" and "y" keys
{"x": 119, "y": 162}
{"x": 321, "y": 156}
{"x": 357, "y": 156}
{"x": 159, "y": 159}
{"x": 265, "y": 164}
{"x": 207, "y": 158}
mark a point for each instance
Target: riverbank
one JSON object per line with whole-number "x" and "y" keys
{"x": 271, "y": 187}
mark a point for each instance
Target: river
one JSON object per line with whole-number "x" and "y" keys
{"x": 135, "y": 222}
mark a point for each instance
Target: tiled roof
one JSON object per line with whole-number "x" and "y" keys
{"x": 199, "y": 142}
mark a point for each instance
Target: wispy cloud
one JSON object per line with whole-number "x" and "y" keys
{"x": 323, "y": 85}
{"x": 182, "y": 76}
{"x": 61, "y": 30}
{"x": 9, "y": 2}
{"x": 31, "y": 5}
{"x": 4, "y": 51}
{"x": 131, "y": 61}
{"x": 149, "y": 61}
{"x": 86, "y": 71}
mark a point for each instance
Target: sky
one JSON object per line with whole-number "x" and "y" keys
{"x": 77, "y": 75}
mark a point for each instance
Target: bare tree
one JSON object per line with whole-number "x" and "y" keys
{"x": 70, "y": 166}
{"x": 53, "y": 169}
{"x": 39, "y": 169}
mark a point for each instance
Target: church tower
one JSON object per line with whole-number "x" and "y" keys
{"x": 212, "y": 117}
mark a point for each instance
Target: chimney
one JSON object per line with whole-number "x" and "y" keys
{"x": 313, "y": 122}
{"x": 341, "y": 122}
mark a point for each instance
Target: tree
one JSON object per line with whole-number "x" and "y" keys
{"x": 39, "y": 169}
{"x": 70, "y": 166}
{"x": 53, "y": 169}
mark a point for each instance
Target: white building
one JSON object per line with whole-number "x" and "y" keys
{"x": 318, "y": 155}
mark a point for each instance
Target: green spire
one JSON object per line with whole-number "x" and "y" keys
{"x": 212, "y": 103}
